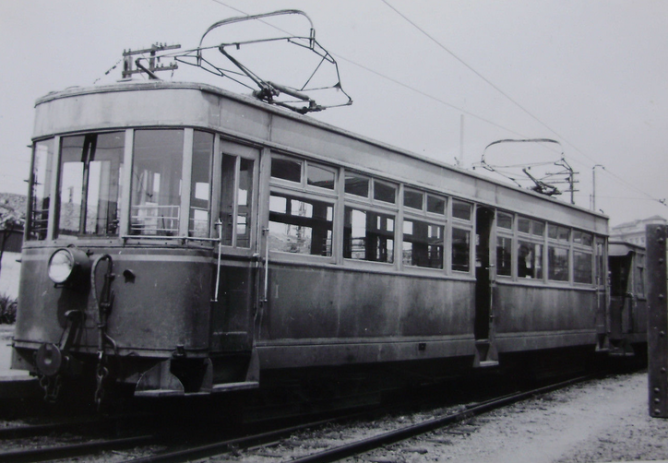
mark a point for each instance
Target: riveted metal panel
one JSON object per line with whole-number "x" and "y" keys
{"x": 657, "y": 330}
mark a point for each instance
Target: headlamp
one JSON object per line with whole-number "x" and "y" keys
{"x": 67, "y": 265}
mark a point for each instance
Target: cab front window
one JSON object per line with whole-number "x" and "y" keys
{"x": 89, "y": 185}
{"x": 156, "y": 182}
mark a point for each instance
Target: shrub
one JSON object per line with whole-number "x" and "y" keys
{"x": 7, "y": 309}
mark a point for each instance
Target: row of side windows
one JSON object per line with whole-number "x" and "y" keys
{"x": 304, "y": 198}
{"x": 301, "y": 217}
{"x": 521, "y": 241}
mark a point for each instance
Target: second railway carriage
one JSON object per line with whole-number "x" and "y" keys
{"x": 628, "y": 299}
{"x": 184, "y": 239}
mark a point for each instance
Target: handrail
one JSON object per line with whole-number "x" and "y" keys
{"x": 219, "y": 227}
{"x": 165, "y": 237}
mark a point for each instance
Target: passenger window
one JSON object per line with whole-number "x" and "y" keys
{"x": 41, "y": 189}
{"x": 200, "y": 185}
{"x": 320, "y": 177}
{"x": 583, "y": 270}
{"x": 384, "y": 192}
{"x": 90, "y": 173}
{"x": 504, "y": 221}
{"x": 413, "y": 199}
{"x": 236, "y": 200}
{"x": 461, "y": 210}
{"x": 422, "y": 244}
{"x": 299, "y": 225}
{"x": 461, "y": 249}
{"x": 368, "y": 236}
{"x": 357, "y": 185}
{"x": 582, "y": 238}
{"x": 557, "y": 263}
{"x": 558, "y": 233}
{"x": 286, "y": 169}
{"x": 529, "y": 260}
{"x": 436, "y": 204}
{"x": 503, "y": 256}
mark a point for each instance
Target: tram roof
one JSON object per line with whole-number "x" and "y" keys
{"x": 136, "y": 86}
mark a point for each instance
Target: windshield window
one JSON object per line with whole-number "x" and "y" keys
{"x": 89, "y": 188}
{"x": 156, "y": 182}
{"x": 200, "y": 184}
{"x": 40, "y": 189}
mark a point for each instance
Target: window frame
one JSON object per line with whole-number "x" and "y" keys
{"x": 431, "y": 219}
{"x": 50, "y": 180}
{"x": 231, "y": 147}
{"x": 582, "y": 248}
{"x": 532, "y": 238}
{"x": 55, "y": 208}
{"x": 467, "y": 225}
{"x": 304, "y": 191}
{"x": 558, "y": 243}
{"x": 503, "y": 233}
{"x": 303, "y": 184}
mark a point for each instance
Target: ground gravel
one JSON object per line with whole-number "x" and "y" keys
{"x": 605, "y": 420}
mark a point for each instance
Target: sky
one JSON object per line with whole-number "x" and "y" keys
{"x": 442, "y": 79}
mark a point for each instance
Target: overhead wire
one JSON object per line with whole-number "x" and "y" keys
{"x": 515, "y": 102}
{"x": 395, "y": 81}
{"x": 483, "y": 119}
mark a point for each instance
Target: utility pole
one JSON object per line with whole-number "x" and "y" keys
{"x": 461, "y": 142}
{"x": 152, "y": 67}
{"x": 593, "y": 182}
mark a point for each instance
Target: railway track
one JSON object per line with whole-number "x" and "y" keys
{"x": 57, "y": 452}
{"x": 267, "y": 440}
{"x": 167, "y": 449}
{"x": 391, "y": 437}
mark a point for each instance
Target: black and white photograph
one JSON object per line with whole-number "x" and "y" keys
{"x": 273, "y": 231}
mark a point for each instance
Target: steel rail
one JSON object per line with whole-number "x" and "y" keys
{"x": 397, "y": 435}
{"x": 66, "y": 451}
{"x": 15, "y": 432}
{"x": 219, "y": 448}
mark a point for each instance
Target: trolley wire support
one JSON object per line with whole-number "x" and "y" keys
{"x": 298, "y": 98}
{"x": 544, "y": 183}
{"x": 152, "y": 68}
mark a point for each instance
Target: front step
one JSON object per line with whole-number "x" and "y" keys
{"x": 485, "y": 354}
{"x": 229, "y": 387}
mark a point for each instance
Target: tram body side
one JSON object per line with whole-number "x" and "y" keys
{"x": 168, "y": 328}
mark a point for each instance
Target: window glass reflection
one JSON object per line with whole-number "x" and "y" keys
{"x": 300, "y": 226}
{"x": 200, "y": 184}
{"x": 368, "y": 236}
{"x": 286, "y": 169}
{"x": 41, "y": 189}
{"x": 89, "y": 188}
{"x": 357, "y": 185}
{"x": 422, "y": 244}
{"x": 413, "y": 199}
{"x": 156, "y": 182}
{"x": 461, "y": 249}
{"x": 529, "y": 260}
{"x": 461, "y": 210}
{"x": 320, "y": 177}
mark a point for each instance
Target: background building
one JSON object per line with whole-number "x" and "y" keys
{"x": 634, "y": 232}
{"x": 11, "y": 240}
